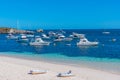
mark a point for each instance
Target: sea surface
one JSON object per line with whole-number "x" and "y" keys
{"x": 105, "y": 56}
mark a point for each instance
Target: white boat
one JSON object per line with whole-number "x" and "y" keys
{"x": 77, "y": 35}
{"x": 37, "y": 72}
{"x": 62, "y": 39}
{"x": 85, "y": 42}
{"x": 67, "y": 39}
{"x": 58, "y": 39}
{"x": 106, "y": 32}
{"x": 67, "y": 74}
{"x": 51, "y": 33}
{"x": 60, "y": 35}
{"x": 30, "y": 35}
{"x": 44, "y": 36}
{"x": 39, "y": 41}
{"x": 11, "y": 36}
{"x": 23, "y": 38}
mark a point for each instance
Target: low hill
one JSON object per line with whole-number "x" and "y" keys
{"x": 4, "y": 30}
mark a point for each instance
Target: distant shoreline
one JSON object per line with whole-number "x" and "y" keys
{"x": 15, "y": 31}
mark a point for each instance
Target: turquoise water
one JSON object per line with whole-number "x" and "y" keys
{"x": 105, "y": 64}
{"x": 105, "y": 56}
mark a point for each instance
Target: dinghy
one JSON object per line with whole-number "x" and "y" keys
{"x": 67, "y": 74}
{"x": 37, "y": 72}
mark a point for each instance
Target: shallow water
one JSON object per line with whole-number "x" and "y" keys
{"x": 105, "y": 56}
{"x": 105, "y": 64}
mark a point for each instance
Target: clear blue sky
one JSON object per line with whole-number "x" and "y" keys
{"x": 82, "y": 14}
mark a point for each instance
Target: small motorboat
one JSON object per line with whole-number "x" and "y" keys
{"x": 106, "y": 32}
{"x": 44, "y": 36}
{"x": 37, "y": 72}
{"x": 67, "y": 39}
{"x": 30, "y": 35}
{"x": 11, "y": 36}
{"x": 58, "y": 39}
{"x": 67, "y": 74}
{"x": 22, "y": 38}
{"x": 77, "y": 35}
{"x": 40, "y": 30}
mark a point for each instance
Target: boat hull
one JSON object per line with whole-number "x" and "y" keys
{"x": 88, "y": 44}
{"x": 37, "y": 44}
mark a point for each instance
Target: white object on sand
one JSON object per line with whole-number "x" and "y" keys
{"x": 67, "y": 74}
{"x": 38, "y": 71}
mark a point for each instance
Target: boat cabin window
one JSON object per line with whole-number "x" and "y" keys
{"x": 84, "y": 40}
{"x": 38, "y": 40}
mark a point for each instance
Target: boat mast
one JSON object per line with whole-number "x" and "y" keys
{"x": 17, "y": 24}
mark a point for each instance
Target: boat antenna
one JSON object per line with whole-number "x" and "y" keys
{"x": 17, "y": 24}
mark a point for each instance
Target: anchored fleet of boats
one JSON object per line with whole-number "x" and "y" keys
{"x": 51, "y": 37}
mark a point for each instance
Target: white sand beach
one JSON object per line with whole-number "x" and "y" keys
{"x": 18, "y": 69}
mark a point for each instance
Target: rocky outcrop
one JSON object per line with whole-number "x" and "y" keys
{"x": 15, "y": 31}
{"x": 4, "y": 30}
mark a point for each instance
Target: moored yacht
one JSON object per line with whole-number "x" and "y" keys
{"x": 77, "y": 35}
{"x": 44, "y": 36}
{"x": 23, "y": 38}
{"x": 85, "y": 42}
{"x": 106, "y": 32}
{"x": 30, "y": 35}
{"x": 39, "y": 41}
{"x": 11, "y": 36}
{"x": 58, "y": 39}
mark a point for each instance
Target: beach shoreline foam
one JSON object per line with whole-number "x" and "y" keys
{"x": 18, "y": 69}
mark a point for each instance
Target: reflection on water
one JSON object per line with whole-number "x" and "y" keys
{"x": 24, "y": 44}
{"x": 87, "y": 47}
{"x": 38, "y": 48}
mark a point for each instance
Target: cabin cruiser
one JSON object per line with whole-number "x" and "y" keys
{"x": 58, "y": 39}
{"x": 44, "y": 36}
{"x": 62, "y": 39}
{"x": 76, "y": 35}
{"x": 61, "y": 36}
{"x": 11, "y": 36}
{"x": 67, "y": 39}
{"x": 85, "y": 42}
{"x": 39, "y": 41}
{"x": 23, "y": 38}
{"x": 51, "y": 33}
